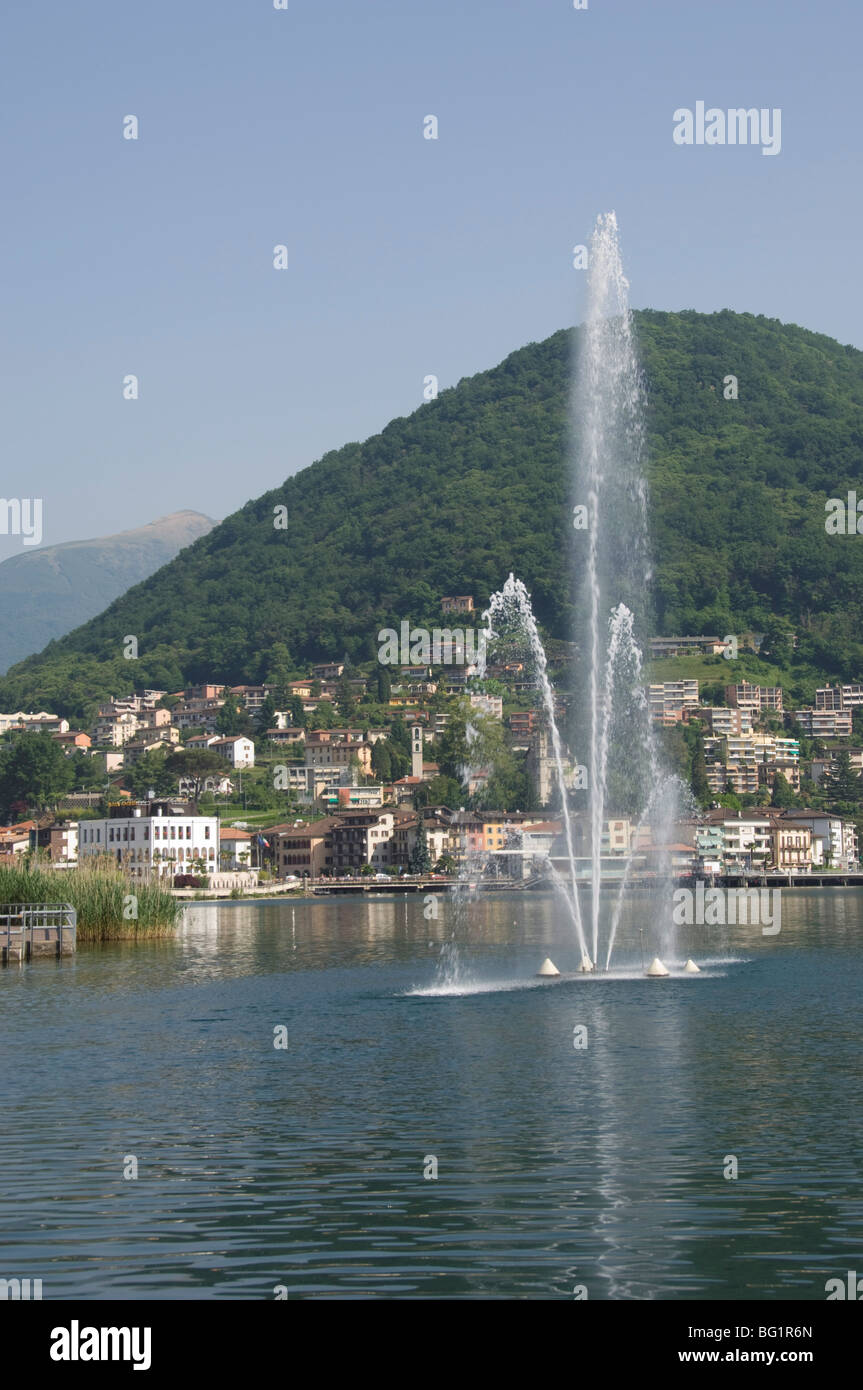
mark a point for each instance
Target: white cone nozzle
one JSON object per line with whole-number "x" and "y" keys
{"x": 691, "y": 968}
{"x": 656, "y": 969}
{"x": 586, "y": 965}
{"x": 548, "y": 968}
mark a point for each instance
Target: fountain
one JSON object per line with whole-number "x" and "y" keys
{"x": 624, "y": 771}
{"x": 625, "y": 776}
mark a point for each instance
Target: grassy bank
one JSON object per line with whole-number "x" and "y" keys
{"x": 102, "y": 896}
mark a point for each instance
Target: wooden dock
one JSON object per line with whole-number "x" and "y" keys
{"x": 28, "y": 930}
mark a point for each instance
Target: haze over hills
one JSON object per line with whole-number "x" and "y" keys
{"x": 48, "y": 592}
{"x": 476, "y": 483}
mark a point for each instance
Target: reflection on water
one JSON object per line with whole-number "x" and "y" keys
{"x": 557, "y": 1166}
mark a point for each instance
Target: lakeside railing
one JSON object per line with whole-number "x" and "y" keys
{"x": 28, "y": 929}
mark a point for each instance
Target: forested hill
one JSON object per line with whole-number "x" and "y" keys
{"x": 451, "y": 498}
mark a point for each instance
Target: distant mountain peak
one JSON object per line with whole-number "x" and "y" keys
{"x": 50, "y": 591}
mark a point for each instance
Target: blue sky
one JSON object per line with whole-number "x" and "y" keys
{"x": 406, "y": 256}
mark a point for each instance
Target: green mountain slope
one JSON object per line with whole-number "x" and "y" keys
{"x": 475, "y": 484}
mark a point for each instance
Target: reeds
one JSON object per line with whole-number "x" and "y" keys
{"x": 110, "y": 906}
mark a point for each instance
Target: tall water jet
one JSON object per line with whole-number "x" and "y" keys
{"x": 608, "y": 477}
{"x": 625, "y": 772}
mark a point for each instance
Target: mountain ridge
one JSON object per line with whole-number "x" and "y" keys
{"x": 76, "y": 577}
{"x": 476, "y": 483}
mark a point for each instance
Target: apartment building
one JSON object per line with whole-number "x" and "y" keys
{"x": 723, "y": 722}
{"x": 251, "y": 697}
{"x": 326, "y": 752}
{"x": 750, "y": 762}
{"x": 756, "y": 698}
{"x": 202, "y": 693}
{"x": 154, "y": 719}
{"x": 404, "y": 838}
{"x": 300, "y": 849}
{"x": 198, "y": 714}
{"x": 824, "y": 723}
{"x": 835, "y": 697}
{"x": 741, "y": 841}
{"x": 488, "y": 704}
{"x": 114, "y": 730}
{"x": 362, "y": 837}
{"x": 668, "y": 700}
{"x": 792, "y": 846}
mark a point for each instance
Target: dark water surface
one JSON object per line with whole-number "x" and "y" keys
{"x": 557, "y": 1166}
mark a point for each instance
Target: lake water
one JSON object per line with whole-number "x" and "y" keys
{"x": 557, "y": 1166}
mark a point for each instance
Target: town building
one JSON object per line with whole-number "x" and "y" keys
{"x": 362, "y": 837}
{"x": 59, "y": 840}
{"x": 488, "y": 704}
{"x": 236, "y": 749}
{"x": 236, "y": 848}
{"x": 834, "y": 697}
{"x": 153, "y": 838}
{"x": 756, "y": 698}
{"x": 114, "y": 729}
{"x": 43, "y": 723}
{"x": 722, "y": 721}
{"x": 749, "y": 762}
{"x": 687, "y": 646}
{"x": 792, "y": 846}
{"x": 73, "y": 740}
{"x": 667, "y": 700}
{"x": 251, "y": 697}
{"x": 825, "y": 723}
